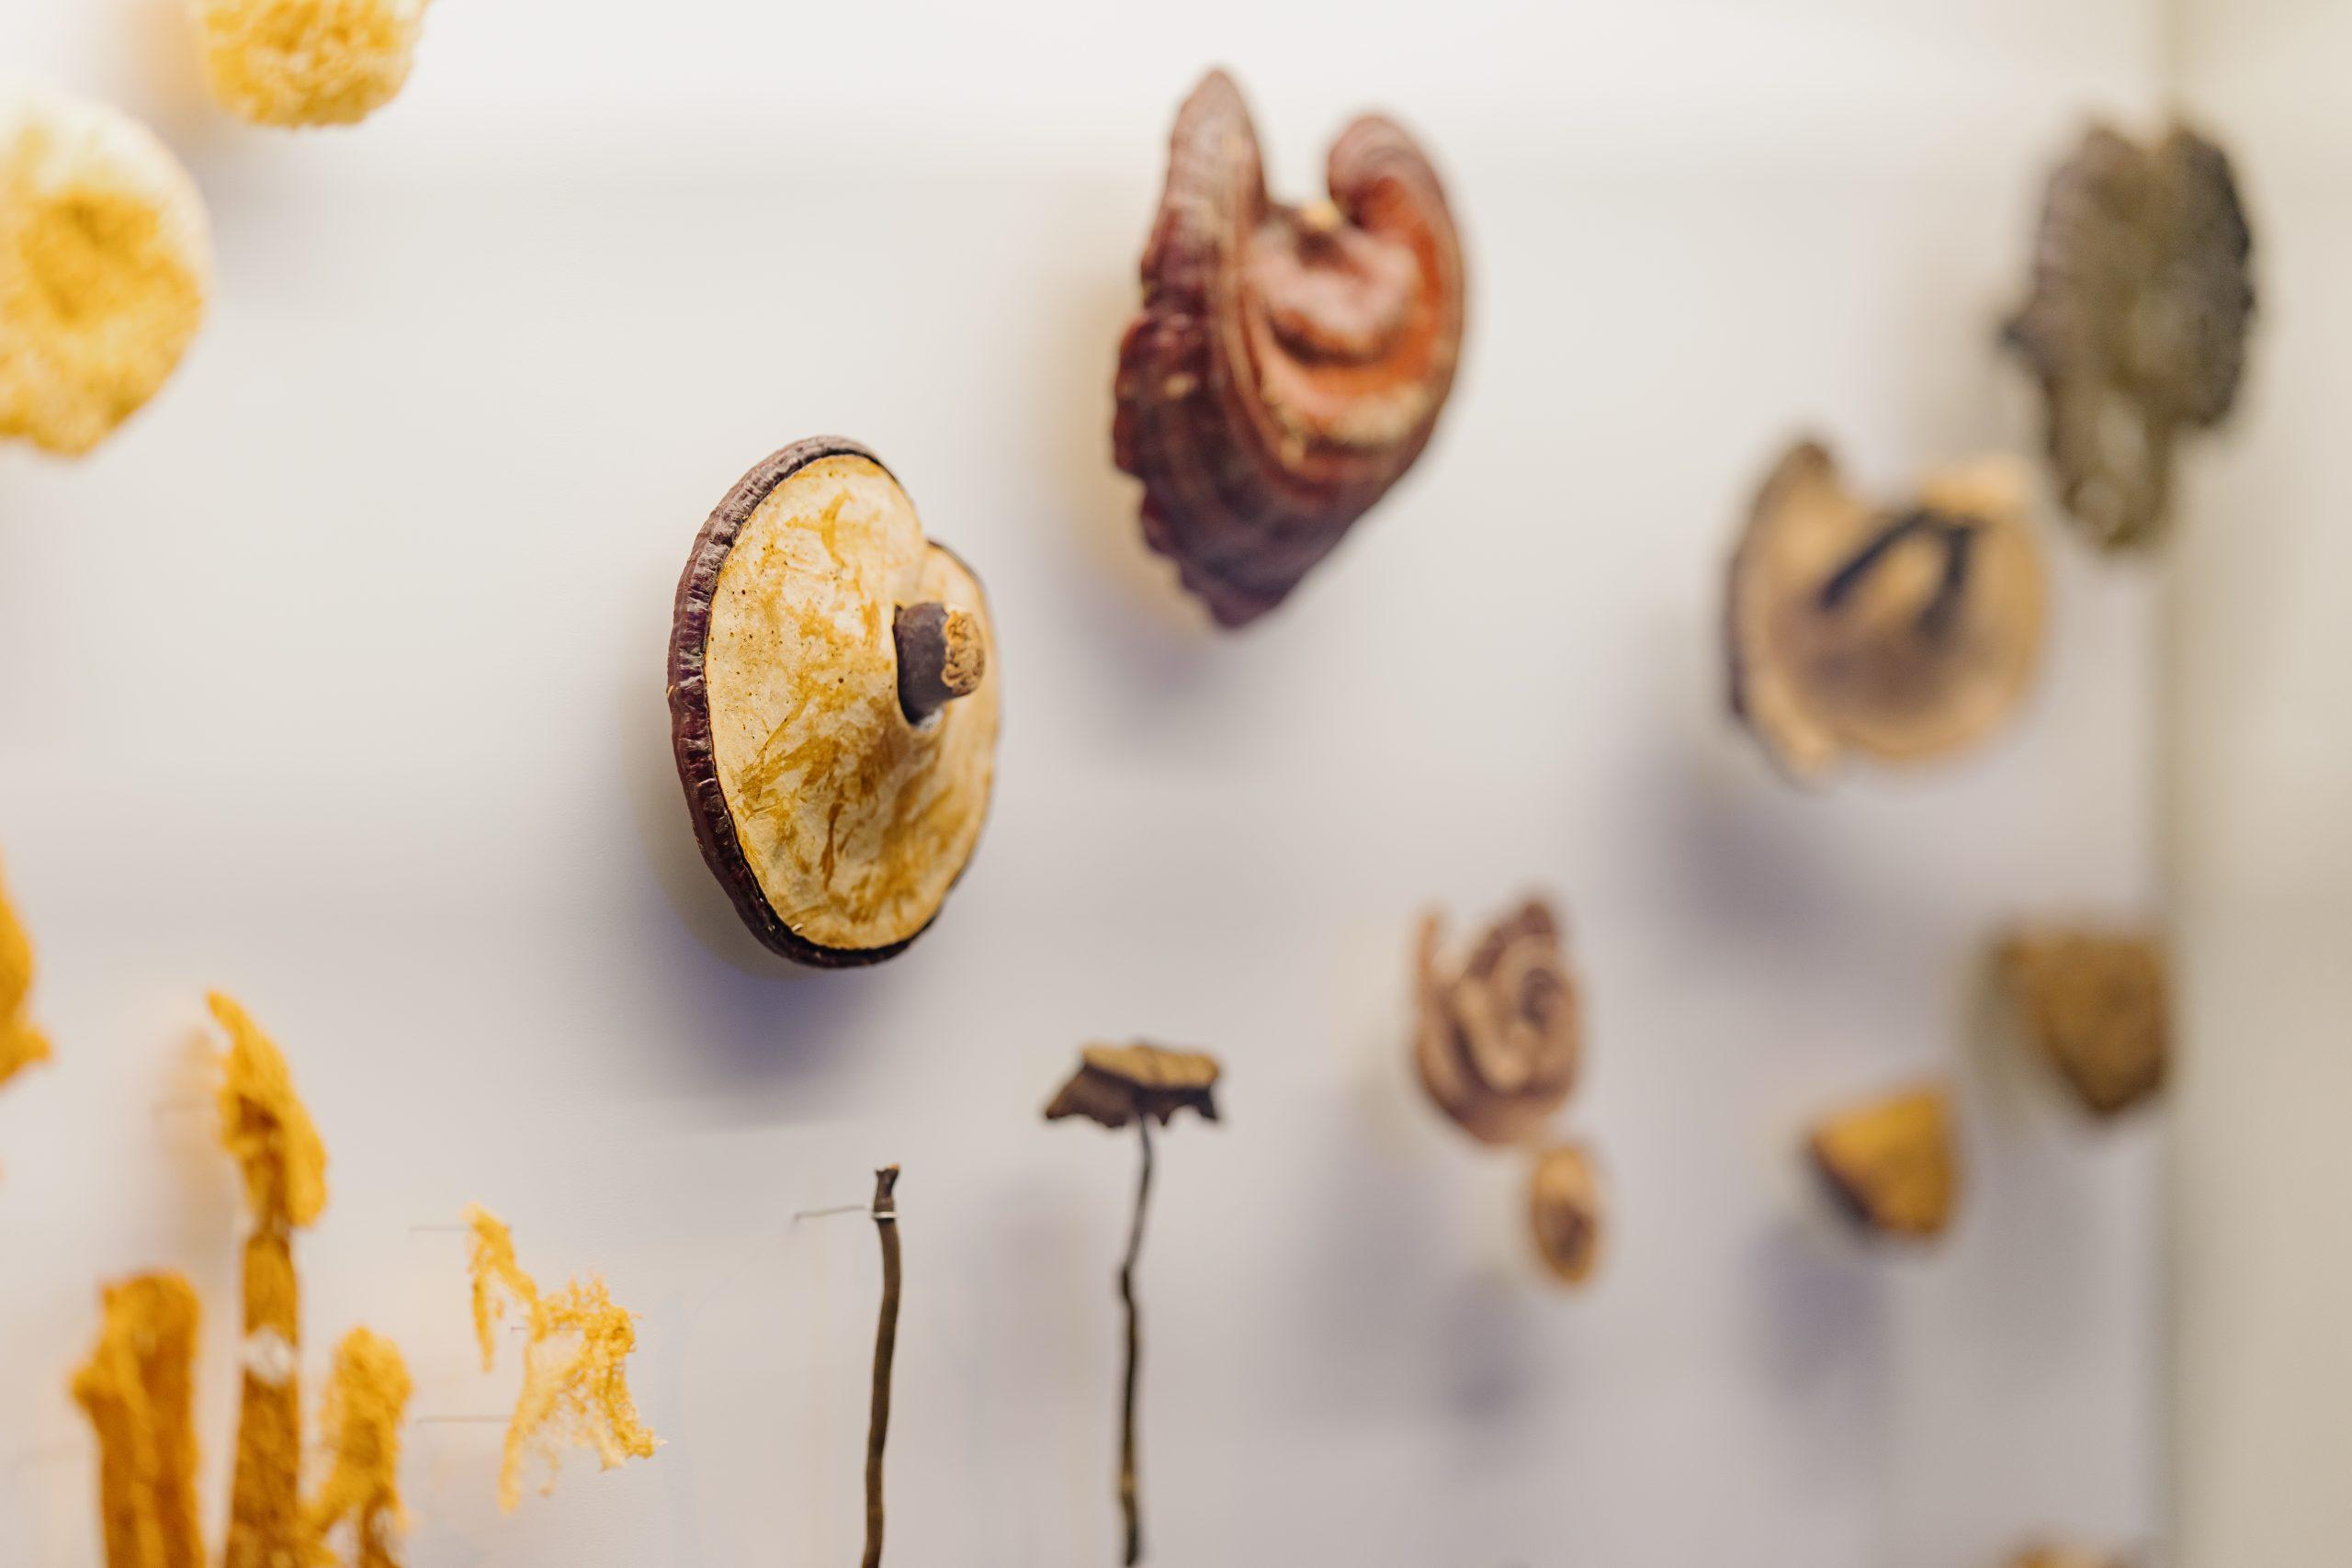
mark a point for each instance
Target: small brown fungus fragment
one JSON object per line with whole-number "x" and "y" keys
{"x": 833, "y": 702}
{"x": 1565, "y": 1213}
{"x": 1499, "y": 1038}
{"x": 2137, "y": 320}
{"x": 1116, "y": 1085}
{"x": 21, "y": 1045}
{"x": 1289, "y": 363}
{"x": 366, "y": 1403}
{"x": 1891, "y": 1164}
{"x": 138, "y": 1390}
{"x": 2097, "y": 1007}
{"x": 1902, "y": 635}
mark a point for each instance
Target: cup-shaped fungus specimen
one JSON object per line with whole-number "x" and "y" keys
{"x": 1141, "y": 1084}
{"x": 138, "y": 1390}
{"x": 104, "y": 264}
{"x": 2137, "y": 320}
{"x": 1901, "y": 633}
{"x": 1290, "y": 362}
{"x": 575, "y": 1363}
{"x": 2095, "y": 1006}
{"x": 1891, "y": 1164}
{"x": 21, "y": 1045}
{"x": 365, "y": 1404}
{"x": 1499, "y": 1040}
{"x": 833, "y": 707}
{"x": 1565, "y": 1213}
{"x": 307, "y": 61}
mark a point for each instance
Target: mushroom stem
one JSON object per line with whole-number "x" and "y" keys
{"x": 1957, "y": 535}
{"x": 885, "y": 1346}
{"x": 943, "y": 654}
{"x": 1130, "y": 1502}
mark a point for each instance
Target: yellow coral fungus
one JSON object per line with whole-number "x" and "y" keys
{"x": 364, "y": 1405}
{"x": 104, "y": 264}
{"x": 307, "y": 61}
{"x": 20, "y": 1044}
{"x": 137, "y": 1389}
{"x": 575, "y": 1375}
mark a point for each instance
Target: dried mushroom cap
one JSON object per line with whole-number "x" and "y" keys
{"x": 837, "y": 747}
{"x": 307, "y": 61}
{"x": 138, "y": 1390}
{"x": 1891, "y": 1164}
{"x": 1499, "y": 1039}
{"x": 2096, "y": 1006}
{"x": 2136, "y": 325}
{"x": 1290, "y": 362}
{"x": 1901, "y": 635}
{"x": 1117, "y": 1084}
{"x": 104, "y": 264}
{"x": 1564, "y": 1210}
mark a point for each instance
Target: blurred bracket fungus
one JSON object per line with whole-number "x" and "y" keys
{"x": 1891, "y": 1164}
{"x": 21, "y": 1045}
{"x": 833, "y": 704}
{"x": 1289, "y": 363}
{"x": 1902, "y": 634}
{"x": 1113, "y": 1085}
{"x": 265, "y": 1129}
{"x": 138, "y": 1390}
{"x": 2137, "y": 321}
{"x": 885, "y": 1350}
{"x": 575, "y": 1363}
{"x": 366, "y": 1403}
{"x": 105, "y": 263}
{"x": 2096, "y": 1005}
{"x": 1499, "y": 1040}
{"x": 1565, "y": 1213}
{"x": 307, "y": 63}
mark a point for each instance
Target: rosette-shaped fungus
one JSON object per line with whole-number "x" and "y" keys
{"x": 2136, "y": 324}
{"x": 105, "y": 265}
{"x": 1499, "y": 1039}
{"x": 1891, "y": 1164}
{"x": 1563, "y": 1212}
{"x": 1290, "y": 362}
{"x": 21, "y": 1045}
{"x": 307, "y": 61}
{"x": 832, "y": 705}
{"x": 1901, "y": 633}
{"x": 138, "y": 1391}
{"x": 2095, "y": 1006}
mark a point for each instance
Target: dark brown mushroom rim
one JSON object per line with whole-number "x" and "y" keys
{"x": 1290, "y": 362}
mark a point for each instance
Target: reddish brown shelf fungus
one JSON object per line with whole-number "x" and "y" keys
{"x": 2095, "y": 1006}
{"x": 832, "y": 705}
{"x": 1499, "y": 1039}
{"x": 1565, "y": 1213}
{"x": 1902, "y": 634}
{"x": 2136, "y": 324}
{"x": 1290, "y": 362}
{"x": 1891, "y": 1164}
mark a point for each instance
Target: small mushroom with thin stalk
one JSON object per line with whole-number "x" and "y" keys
{"x": 2095, "y": 1006}
{"x": 1116, "y": 1085}
{"x": 1900, "y": 633}
{"x": 1499, "y": 1040}
{"x": 1891, "y": 1164}
{"x": 1565, "y": 1213}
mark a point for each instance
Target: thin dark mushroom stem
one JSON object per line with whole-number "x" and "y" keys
{"x": 1957, "y": 535}
{"x": 885, "y": 1346}
{"x": 1130, "y": 1503}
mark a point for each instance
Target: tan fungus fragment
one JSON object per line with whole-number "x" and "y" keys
{"x": 307, "y": 63}
{"x": 1565, "y": 1213}
{"x": 366, "y": 1403}
{"x": 138, "y": 1390}
{"x": 1892, "y": 1164}
{"x": 2096, "y": 1005}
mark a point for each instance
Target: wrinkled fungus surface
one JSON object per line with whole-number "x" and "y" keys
{"x": 292, "y": 62}
{"x": 1499, "y": 1039}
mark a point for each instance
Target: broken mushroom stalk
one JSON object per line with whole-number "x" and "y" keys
{"x": 885, "y": 1350}
{"x": 1499, "y": 1040}
{"x": 1901, "y": 635}
{"x": 1289, "y": 363}
{"x": 1890, "y": 1164}
{"x": 1116, "y": 1085}
{"x": 2095, "y": 1006}
{"x": 833, "y": 707}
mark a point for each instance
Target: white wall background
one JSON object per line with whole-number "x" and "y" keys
{"x": 336, "y": 681}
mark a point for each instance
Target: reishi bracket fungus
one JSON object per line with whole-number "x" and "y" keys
{"x": 1900, "y": 633}
{"x": 1892, "y": 1164}
{"x": 2094, "y": 1005}
{"x": 305, "y": 62}
{"x": 2136, "y": 322}
{"x": 833, "y": 707}
{"x": 1114, "y": 1085}
{"x": 106, "y": 264}
{"x": 1289, "y": 363}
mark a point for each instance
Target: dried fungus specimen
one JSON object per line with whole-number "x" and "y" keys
{"x": 2096, "y": 1005}
{"x": 2137, "y": 322}
{"x": 1116, "y": 1086}
{"x": 575, "y": 1363}
{"x": 1290, "y": 362}
{"x": 1563, "y": 1212}
{"x": 1499, "y": 1039}
{"x": 886, "y": 1352}
{"x": 21, "y": 1045}
{"x": 2065, "y": 1557}
{"x": 366, "y": 1403}
{"x": 296, "y": 63}
{"x": 833, "y": 707}
{"x": 1892, "y": 1164}
{"x": 1902, "y": 635}
{"x": 138, "y": 1390}
{"x": 105, "y": 265}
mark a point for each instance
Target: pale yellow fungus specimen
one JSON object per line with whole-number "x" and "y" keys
{"x": 137, "y": 1389}
{"x": 265, "y": 1129}
{"x": 575, "y": 1375}
{"x": 104, "y": 264}
{"x": 364, "y": 1405}
{"x": 307, "y": 61}
{"x": 21, "y": 1045}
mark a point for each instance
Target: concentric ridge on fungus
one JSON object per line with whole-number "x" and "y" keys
{"x": 1500, "y": 1037}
